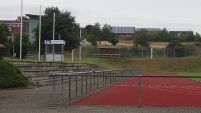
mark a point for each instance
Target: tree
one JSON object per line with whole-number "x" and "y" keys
{"x": 175, "y": 48}
{"x": 88, "y": 28}
{"x": 65, "y": 28}
{"x": 3, "y": 33}
{"x": 3, "y": 38}
{"x": 142, "y": 39}
{"x": 23, "y": 18}
{"x": 108, "y": 35}
{"x": 164, "y": 35}
{"x": 154, "y": 36}
{"x": 96, "y": 31}
{"x": 197, "y": 37}
{"x": 25, "y": 45}
{"x": 95, "y": 34}
{"x": 190, "y": 37}
{"x": 113, "y": 39}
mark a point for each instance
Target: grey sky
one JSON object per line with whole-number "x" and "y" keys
{"x": 171, "y": 14}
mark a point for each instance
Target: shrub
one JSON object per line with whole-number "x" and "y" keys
{"x": 11, "y": 76}
{"x": 124, "y": 52}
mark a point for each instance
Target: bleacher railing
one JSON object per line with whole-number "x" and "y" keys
{"x": 80, "y": 83}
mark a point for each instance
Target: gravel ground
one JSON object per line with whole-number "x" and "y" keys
{"x": 39, "y": 100}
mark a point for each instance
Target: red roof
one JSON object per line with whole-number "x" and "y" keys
{"x": 2, "y": 46}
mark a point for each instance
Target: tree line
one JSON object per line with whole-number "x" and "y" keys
{"x": 143, "y": 37}
{"x": 175, "y": 46}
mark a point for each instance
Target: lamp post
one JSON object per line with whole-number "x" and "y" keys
{"x": 53, "y": 32}
{"x": 21, "y": 30}
{"x": 39, "y": 35}
{"x": 13, "y": 46}
{"x": 80, "y": 49}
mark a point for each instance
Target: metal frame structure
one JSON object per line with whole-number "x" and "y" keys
{"x": 98, "y": 78}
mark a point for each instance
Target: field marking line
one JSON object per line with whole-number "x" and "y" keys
{"x": 176, "y": 90}
{"x": 163, "y": 83}
{"x": 150, "y": 82}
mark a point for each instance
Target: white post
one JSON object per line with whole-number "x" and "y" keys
{"x": 53, "y": 25}
{"x": 53, "y": 33}
{"x": 72, "y": 55}
{"x": 39, "y": 35}
{"x": 21, "y": 30}
{"x": 13, "y": 46}
{"x": 151, "y": 53}
{"x": 80, "y": 53}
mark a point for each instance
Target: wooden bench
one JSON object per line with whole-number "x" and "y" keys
{"x": 107, "y": 55}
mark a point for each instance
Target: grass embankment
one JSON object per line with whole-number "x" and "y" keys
{"x": 151, "y": 65}
{"x": 182, "y": 66}
{"x": 185, "y": 65}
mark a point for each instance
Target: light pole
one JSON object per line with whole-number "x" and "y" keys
{"x": 53, "y": 32}
{"x": 21, "y": 30}
{"x": 80, "y": 52}
{"x": 39, "y": 35}
{"x": 13, "y": 46}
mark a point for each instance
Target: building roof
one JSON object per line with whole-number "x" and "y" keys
{"x": 123, "y": 30}
{"x": 2, "y": 46}
{"x": 180, "y": 31}
{"x": 110, "y": 47}
{"x": 32, "y": 16}
{"x": 149, "y": 29}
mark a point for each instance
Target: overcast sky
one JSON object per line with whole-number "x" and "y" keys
{"x": 179, "y": 15}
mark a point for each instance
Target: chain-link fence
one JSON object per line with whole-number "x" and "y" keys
{"x": 158, "y": 52}
{"x": 133, "y": 52}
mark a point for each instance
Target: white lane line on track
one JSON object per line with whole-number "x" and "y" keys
{"x": 178, "y": 91}
{"x": 177, "y": 87}
{"x": 184, "y": 88}
{"x": 163, "y": 83}
{"x": 150, "y": 82}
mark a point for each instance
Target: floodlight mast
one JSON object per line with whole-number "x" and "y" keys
{"x": 21, "y": 30}
{"x": 39, "y": 35}
{"x": 53, "y": 33}
{"x": 80, "y": 48}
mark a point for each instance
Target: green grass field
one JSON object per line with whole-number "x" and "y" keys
{"x": 192, "y": 74}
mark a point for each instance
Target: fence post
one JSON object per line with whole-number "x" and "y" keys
{"x": 53, "y": 95}
{"x": 86, "y": 82}
{"x": 140, "y": 92}
{"x": 76, "y": 84}
{"x": 81, "y": 84}
{"x": 69, "y": 100}
{"x": 62, "y": 89}
{"x": 90, "y": 80}
{"x": 97, "y": 79}
{"x": 103, "y": 78}
{"x": 94, "y": 78}
{"x": 151, "y": 53}
{"x": 164, "y": 52}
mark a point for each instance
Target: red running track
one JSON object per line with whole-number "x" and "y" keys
{"x": 155, "y": 92}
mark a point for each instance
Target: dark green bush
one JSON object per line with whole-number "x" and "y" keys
{"x": 11, "y": 76}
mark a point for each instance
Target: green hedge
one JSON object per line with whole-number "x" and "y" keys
{"x": 11, "y": 76}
